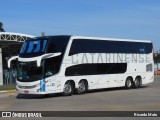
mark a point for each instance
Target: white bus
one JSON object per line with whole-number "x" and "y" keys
{"x": 68, "y": 64}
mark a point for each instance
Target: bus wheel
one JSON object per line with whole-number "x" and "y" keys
{"x": 137, "y": 82}
{"x": 129, "y": 83}
{"x": 68, "y": 89}
{"x": 82, "y": 87}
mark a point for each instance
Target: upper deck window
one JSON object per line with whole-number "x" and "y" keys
{"x": 40, "y": 46}
{"x": 106, "y": 46}
{"x": 33, "y": 48}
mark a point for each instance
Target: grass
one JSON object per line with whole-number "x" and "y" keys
{"x": 7, "y": 87}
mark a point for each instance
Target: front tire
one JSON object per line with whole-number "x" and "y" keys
{"x": 68, "y": 89}
{"x": 129, "y": 83}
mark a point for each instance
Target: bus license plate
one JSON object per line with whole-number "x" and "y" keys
{"x": 26, "y": 91}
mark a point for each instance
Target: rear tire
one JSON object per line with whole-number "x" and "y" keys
{"x": 137, "y": 83}
{"x": 68, "y": 89}
{"x": 82, "y": 87}
{"x": 129, "y": 83}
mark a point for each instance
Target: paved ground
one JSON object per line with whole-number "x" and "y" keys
{"x": 146, "y": 98}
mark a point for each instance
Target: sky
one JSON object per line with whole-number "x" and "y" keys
{"x": 129, "y": 19}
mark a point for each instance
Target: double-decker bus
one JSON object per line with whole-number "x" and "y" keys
{"x": 69, "y": 64}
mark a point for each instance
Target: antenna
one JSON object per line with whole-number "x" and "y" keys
{"x": 43, "y": 34}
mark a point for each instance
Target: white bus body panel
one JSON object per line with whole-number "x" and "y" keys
{"x": 56, "y": 83}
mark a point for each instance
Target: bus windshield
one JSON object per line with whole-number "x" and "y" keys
{"x": 28, "y": 71}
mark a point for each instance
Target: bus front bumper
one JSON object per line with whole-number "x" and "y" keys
{"x": 29, "y": 91}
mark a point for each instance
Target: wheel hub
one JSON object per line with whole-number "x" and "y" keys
{"x": 67, "y": 88}
{"x": 129, "y": 83}
{"x": 81, "y": 87}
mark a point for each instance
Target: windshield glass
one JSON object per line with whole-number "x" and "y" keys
{"x": 52, "y": 66}
{"x": 28, "y": 71}
{"x": 33, "y": 48}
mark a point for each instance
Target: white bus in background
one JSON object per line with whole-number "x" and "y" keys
{"x": 68, "y": 64}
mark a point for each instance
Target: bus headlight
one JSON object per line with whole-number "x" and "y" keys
{"x": 31, "y": 87}
{"x": 37, "y": 85}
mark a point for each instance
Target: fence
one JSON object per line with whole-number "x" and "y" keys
{"x": 9, "y": 77}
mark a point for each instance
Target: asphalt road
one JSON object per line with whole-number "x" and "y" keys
{"x": 146, "y": 98}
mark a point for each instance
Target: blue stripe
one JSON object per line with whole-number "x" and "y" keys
{"x": 37, "y": 49}
{"x": 44, "y": 45}
{"x": 42, "y": 85}
{"x": 23, "y": 47}
{"x": 30, "y": 47}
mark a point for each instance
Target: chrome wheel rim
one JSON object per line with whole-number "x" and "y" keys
{"x": 137, "y": 82}
{"x": 129, "y": 83}
{"x": 67, "y": 88}
{"x": 81, "y": 87}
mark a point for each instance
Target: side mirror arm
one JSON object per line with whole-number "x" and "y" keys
{"x": 49, "y": 55}
{"x": 10, "y": 60}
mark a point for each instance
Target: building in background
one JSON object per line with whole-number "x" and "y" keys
{"x": 10, "y": 44}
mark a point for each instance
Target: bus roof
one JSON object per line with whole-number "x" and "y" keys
{"x": 110, "y": 39}
{"x": 97, "y": 38}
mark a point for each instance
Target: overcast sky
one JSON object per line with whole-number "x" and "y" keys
{"x": 133, "y": 19}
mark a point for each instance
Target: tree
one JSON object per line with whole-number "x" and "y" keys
{"x": 1, "y": 27}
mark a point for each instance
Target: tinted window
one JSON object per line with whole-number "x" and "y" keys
{"x": 148, "y": 47}
{"x": 39, "y": 46}
{"x": 95, "y": 69}
{"x": 149, "y": 68}
{"x": 102, "y": 46}
{"x": 52, "y": 66}
{"x": 58, "y": 44}
{"x": 33, "y": 48}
